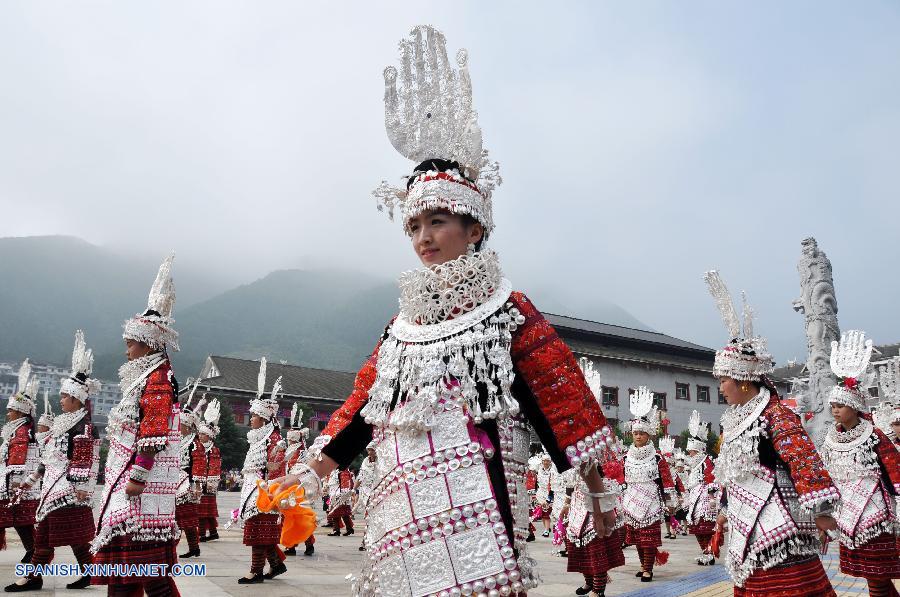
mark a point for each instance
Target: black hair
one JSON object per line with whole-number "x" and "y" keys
{"x": 437, "y": 164}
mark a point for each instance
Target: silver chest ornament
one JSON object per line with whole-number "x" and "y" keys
{"x": 642, "y": 503}
{"x": 434, "y": 527}
{"x": 865, "y": 511}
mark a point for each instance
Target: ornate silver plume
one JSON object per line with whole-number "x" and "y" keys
{"x": 24, "y": 377}
{"x": 720, "y": 294}
{"x": 592, "y": 376}
{"x": 162, "y": 293}
{"x": 213, "y": 412}
{"x": 641, "y": 402}
{"x": 261, "y": 378}
{"x": 82, "y": 356}
{"x": 431, "y": 114}
{"x": 850, "y": 357}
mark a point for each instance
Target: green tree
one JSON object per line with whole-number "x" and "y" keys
{"x": 232, "y": 443}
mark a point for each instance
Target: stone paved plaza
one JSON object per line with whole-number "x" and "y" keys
{"x": 323, "y": 574}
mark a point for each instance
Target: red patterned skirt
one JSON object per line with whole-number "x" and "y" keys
{"x": 597, "y": 557}
{"x": 17, "y": 515}
{"x": 72, "y": 525}
{"x": 262, "y": 529}
{"x": 802, "y": 578}
{"x": 122, "y": 550}
{"x": 186, "y": 516}
{"x": 648, "y": 536}
{"x": 704, "y": 528}
{"x": 208, "y": 507}
{"x": 878, "y": 559}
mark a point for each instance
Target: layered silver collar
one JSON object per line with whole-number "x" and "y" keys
{"x": 435, "y": 294}
{"x": 65, "y": 421}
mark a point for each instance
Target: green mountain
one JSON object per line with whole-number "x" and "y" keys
{"x": 50, "y": 286}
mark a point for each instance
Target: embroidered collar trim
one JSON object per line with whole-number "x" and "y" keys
{"x": 736, "y": 419}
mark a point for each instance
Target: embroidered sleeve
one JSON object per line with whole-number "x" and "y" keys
{"x": 346, "y": 434}
{"x": 562, "y": 409}
{"x": 665, "y": 476}
{"x": 889, "y": 457}
{"x": 156, "y": 410}
{"x": 708, "y": 476}
{"x": 797, "y": 451}
{"x": 215, "y": 462}
{"x": 85, "y": 460}
{"x": 18, "y": 449}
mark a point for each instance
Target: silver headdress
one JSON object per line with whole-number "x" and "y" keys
{"x": 592, "y": 377}
{"x": 667, "y": 445}
{"x": 888, "y": 410}
{"x": 190, "y": 413}
{"x": 79, "y": 384}
{"x": 297, "y": 431}
{"x": 746, "y": 357}
{"x": 646, "y": 417}
{"x": 209, "y": 424}
{"x": 699, "y": 431}
{"x": 266, "y": 408}
{"x": 47, "y": 416}
{"x": 153, "y": 327}
{"x": 850, "y": 363}
{"x": 428, "y": 115}
{"x": 23, "y": 400}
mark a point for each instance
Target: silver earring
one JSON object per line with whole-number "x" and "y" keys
{"x": 470, "y": 249}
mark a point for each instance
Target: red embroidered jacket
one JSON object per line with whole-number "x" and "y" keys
{"x": 18, "y": 446}
{"x": 198, "y": 461}
{"x": 679, "y": 486}
{"x": 708, "y": 476}
{"x": 549, "y": 386}
{"x": 666, "y": 482}
{"x": 156, "y": 408}
{"x": 345, "y": 479}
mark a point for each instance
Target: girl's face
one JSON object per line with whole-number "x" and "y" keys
{"x": 439, "y": 236}
{"x": 12, "y": 415}
{"x": 640, "y": 438}
{"x": 135, "y": 350}
{"x": 256, "y": 421}
{"x": 896, "y": 428}
{"x": 845, "y": 416}
{"x": 68, "y": 403}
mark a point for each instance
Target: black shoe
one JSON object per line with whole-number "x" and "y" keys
{"x": 204, "y": 539}
{"x": 310, "y": 550}
{"x": 82, "y": 583}
{"x": 327, "y": 525}
{"x": 529, "y": 538}
{"x": 639, "y": 574}
{"x": 545, "y": 534}
{"x": 647, "y": 578}
{"x": 275, "y": 571}
{"x": 362, "y": 548}
{"x": 191, "y": 553}
{"x": 213, "y": 536}
{"x": 349, "y": 532}
{"x": 334, "y": 533}
{"x": 583, "y": 590}
{"x": 26, "y": 559}
{"x": 290, "y": 551}
{"x": 34, "y": 584}
{"x": 255, "y": 579}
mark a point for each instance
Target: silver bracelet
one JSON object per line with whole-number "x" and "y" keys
{"x": 139, "y": 474}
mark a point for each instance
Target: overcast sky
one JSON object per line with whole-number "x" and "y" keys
{"x": 640, "y": 143}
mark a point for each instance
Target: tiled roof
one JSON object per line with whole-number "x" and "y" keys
{"x": 306, "y": 382}
{"x": 621, "y": 334}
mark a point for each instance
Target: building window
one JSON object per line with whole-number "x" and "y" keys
{"x": 682, "y": 391}
{"x": 238, "y": 419}
{"x": 610, "y": 396}
{"x": 722, "y": 398}
{"x": 873, "y": 391}
{"x": 702, "y": 393}
{"x": 613, "y": 423}
{"x": 659, "y": 399}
